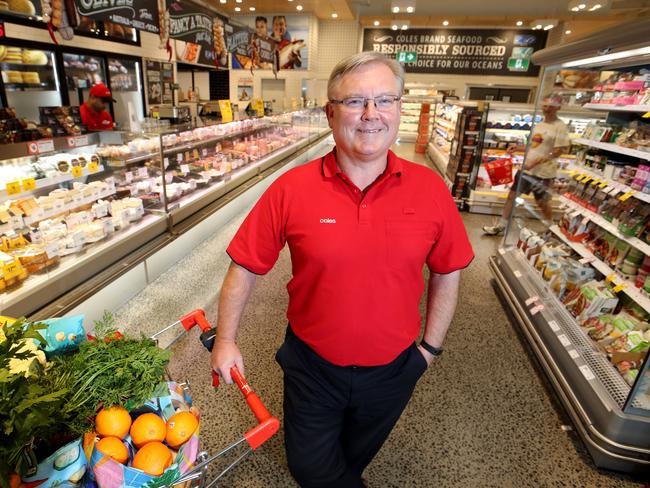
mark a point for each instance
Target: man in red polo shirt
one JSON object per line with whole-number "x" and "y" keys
{"x": 93, "y": 111}
{"x": 360, "y": 224}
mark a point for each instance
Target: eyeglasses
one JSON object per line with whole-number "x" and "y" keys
{"x": 357, "y": 104}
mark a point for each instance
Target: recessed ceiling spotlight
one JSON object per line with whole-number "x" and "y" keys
{"x": 394, "y": 27}
{"x": 298, "y": 8}
{"x": 335, "y": 15}
{"x": 395, "y": 10}
{"x": 538, "y": 26}
{"x": 575, "y": 9}
{"x": 445, "y": 22}
{"x": 595, "y": 7}
{"x": 404, "y": 27}
{"x": 237, "y": 9}
{"x": 252, "y": 9}
{"x": 520, "y": 23}
{"x": 582, "y": 6}
{"x": 409, "y": 10}
{"x": 239, "y": 1}
{"x": 222, "y": 1}
{"x": 376, "y": 23}
{"x": 567, "y": 32}
{"x": 548, "y": 27}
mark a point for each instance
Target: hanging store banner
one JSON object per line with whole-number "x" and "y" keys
{"x": 250, "y": 50}
{"x": 459, "y": 51}
{"x": 199, "y": 34}
{"x": 139, "y": 14}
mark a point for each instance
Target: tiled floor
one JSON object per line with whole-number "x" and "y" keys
{"x": 481, "y": 416}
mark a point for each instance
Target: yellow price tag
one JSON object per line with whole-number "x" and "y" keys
{"x": 29, "y": 184}
{"x": 573, "y": 172}
{"x": 226, "y": 110}
{"x": 258, "y": 106}
{"x": 13, "y": 188}
{"x": 603, "y": 184}
{"x": 610, "y": 278}
{"x": 618, "y": 288}
{"x": 11, "y": 270}
{"x": 77, "y": 171}
{"x": 93, "y": 167}
{"x": 646, "y": 115}
{"x": 587, "y": 179}
{"x": 625, "y": 196}
{"x": 596, "y": 181}
{"x": 581, "y": 176}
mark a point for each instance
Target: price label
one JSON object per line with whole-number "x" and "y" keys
{"x": 625, "y": 196}
{"x": 142, "y": 172}
{"x": 517, "y": 273}
{"x": 603, "y": 185}
{"x": 166, "y": 162}
{"x": 258, "y": 105}
{"x": 553, "y": 325}
{"x": 11, "y": 270}
{"x": 531, "y": 300}
{"x": 646, "y": 115}
{"x": 128, "y": 176}
{"x": 612, "y": 190}
{"x": 579, "y": 176}
{"x": 502, "y": 251}
{"x": 185, "y": 168}
{"x": 52, "y": 250}
{"x": 587, "y": 373}
{"x": 29, "y": 184}
{"x": 564, "y": 340}
{"x": 573, "y": 172}
{"x": 226, "y": 110}
{"x": 537, "y": 309}
{"x": 45, "y": 145}
{"x": 589, "y": 259}
{"x": 179, "y": 157}
{"x": 574, "y": 354}
{"x": 587, "y": 179}
{"x": 597, "y": 181}
{"x": 93, "y": 167}
{"x": 204, "y": 152}
{"x": 77, "y": 141}
{"x": 16, "y": 222}
{"x": 610, "y": 278}
{"x": 619, "y": 287}
{"x": 13, "y": 188}
{"x": 77, "y": 171}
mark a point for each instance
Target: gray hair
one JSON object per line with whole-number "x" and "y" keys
{"x": 361, "y": 59}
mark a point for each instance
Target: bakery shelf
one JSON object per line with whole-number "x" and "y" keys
{"x": 608, "y": 146}
{"x": 28, "y": 86}
{"x": 47, "y": 182}
{"x": 639, "y": 195}
{"x": 608, "y": 226}
{"x": 609, "y": 107}
{"x": 630, "y": 289}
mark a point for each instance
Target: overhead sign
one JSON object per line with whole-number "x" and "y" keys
{"x": 460, "y": 51}
{"x": 139, "y": 14}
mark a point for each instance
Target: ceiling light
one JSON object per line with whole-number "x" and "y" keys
{"x": 335, "y": 15}
{"x": 376, "y": 23}
{"x": 299, "y": 7}
{"x": 395, "y": 10}
{"x": 252, "y": 9}
{"x": 222, "y": 1}
{"x": 538, "y": 26}
{"x": 445, "y": 22}
{"x": 575, "y": 9}
{"x": 409, "y": 10}
{"x": 595, "y": 7}
{"x": 567, "y": 32}
{"x": 237, "y": 9}
{"x": 605, "y": 58}
{"x": 404, "y": 27}
{"x": 239, "y": 1}
{"x": 548, "y": 27}
{"x": 520, "y": 23}
{"x": 394, "y": 27}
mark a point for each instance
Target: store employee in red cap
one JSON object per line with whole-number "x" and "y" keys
{"x": 361, "y": 223}
{"x": 93, "y": 111}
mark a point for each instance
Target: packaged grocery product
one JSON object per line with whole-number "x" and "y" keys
{"x": 590, "y": 300}
{"x": 632, "y": 341}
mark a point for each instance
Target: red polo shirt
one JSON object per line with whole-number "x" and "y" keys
{"x": 95, "y": 120}
{"x": 357, "y": 256}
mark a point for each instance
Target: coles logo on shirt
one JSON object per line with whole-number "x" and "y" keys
{"x": 328, "y": 221}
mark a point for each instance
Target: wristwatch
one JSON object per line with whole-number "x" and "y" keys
{"x": 436, "y": 351}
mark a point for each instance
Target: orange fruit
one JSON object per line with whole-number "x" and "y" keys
{"x": 113, "y": 421}
{"x": 153, "y": 458}
{"x": 180, "y": 428}
{"x": 113, "y": 447}
{"x": 148, "y": 427}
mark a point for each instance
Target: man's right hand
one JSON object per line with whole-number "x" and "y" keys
{"x": 225, "y": 355}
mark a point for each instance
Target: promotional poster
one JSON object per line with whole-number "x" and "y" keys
{"x": 254, "y": 45}
{"x": 459, "y": 51}
{"x": 139, "y": 14}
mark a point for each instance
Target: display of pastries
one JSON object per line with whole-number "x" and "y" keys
{"x": 34, "y": 56}
{"x": 31, "y": 77}
{"x": 14, "y": 55}
{"x": 15, "y": 76}
{"x": 22, "y": 6}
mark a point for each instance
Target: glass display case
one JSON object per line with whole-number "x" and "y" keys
{"x": 417, "y": 113}
{"x": 127, "y": 89}
{"x": 507, "y": 131}
{"x": 579, "y": 284}
{"x": 72, "y": 206}
{"x": 81, "y": 73}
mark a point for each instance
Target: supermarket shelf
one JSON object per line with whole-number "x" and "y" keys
{"x": 608, "y": 146}
{"x": 644, "y": 197}
{"x": 608, "y": 226}
{"x": 609, "y": 107}
{"x": 440, "y": 161}
{"x": 512, "y": 131}
{"x": 46, "y": 182}
{"x": 446, "y": 124}
{"x": 630, "y": 289}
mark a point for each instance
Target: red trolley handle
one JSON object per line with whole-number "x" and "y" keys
{"x": 267, "y": 425}
{"x": 196, "y": 317}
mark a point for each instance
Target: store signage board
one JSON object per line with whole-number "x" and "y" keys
{"x": 139, "y": 14}
{"x": 160, "y": 82}
{"x": 481, "y": 52}
{"x": 226, "y": 110}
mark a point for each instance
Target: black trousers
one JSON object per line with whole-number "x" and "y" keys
{"x": 337, "y": 418}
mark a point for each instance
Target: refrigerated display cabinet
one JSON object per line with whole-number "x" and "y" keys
{"x": 71, "y": 207}
{"x": 579, "y": 287}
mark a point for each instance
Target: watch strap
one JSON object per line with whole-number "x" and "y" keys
{"x": 436, "y": 351}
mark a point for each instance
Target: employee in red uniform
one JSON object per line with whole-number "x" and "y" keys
{"x": 93, "y": 111}
{"x": 361, "y": 223}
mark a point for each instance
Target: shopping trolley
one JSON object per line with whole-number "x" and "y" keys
{"x": 267, "y": 425}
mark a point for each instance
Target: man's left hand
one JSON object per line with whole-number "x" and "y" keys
{"x": 428, "y": 357}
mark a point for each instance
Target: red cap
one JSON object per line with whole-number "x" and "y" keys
{"x": 100, "y": 91}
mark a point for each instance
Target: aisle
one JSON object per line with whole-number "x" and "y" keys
{"x": 481, "y": 416}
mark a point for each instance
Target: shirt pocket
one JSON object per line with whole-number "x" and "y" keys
{"x": 408, "y": 243}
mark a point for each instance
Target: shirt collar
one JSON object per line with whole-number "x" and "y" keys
{"x": 330, "y": 169}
